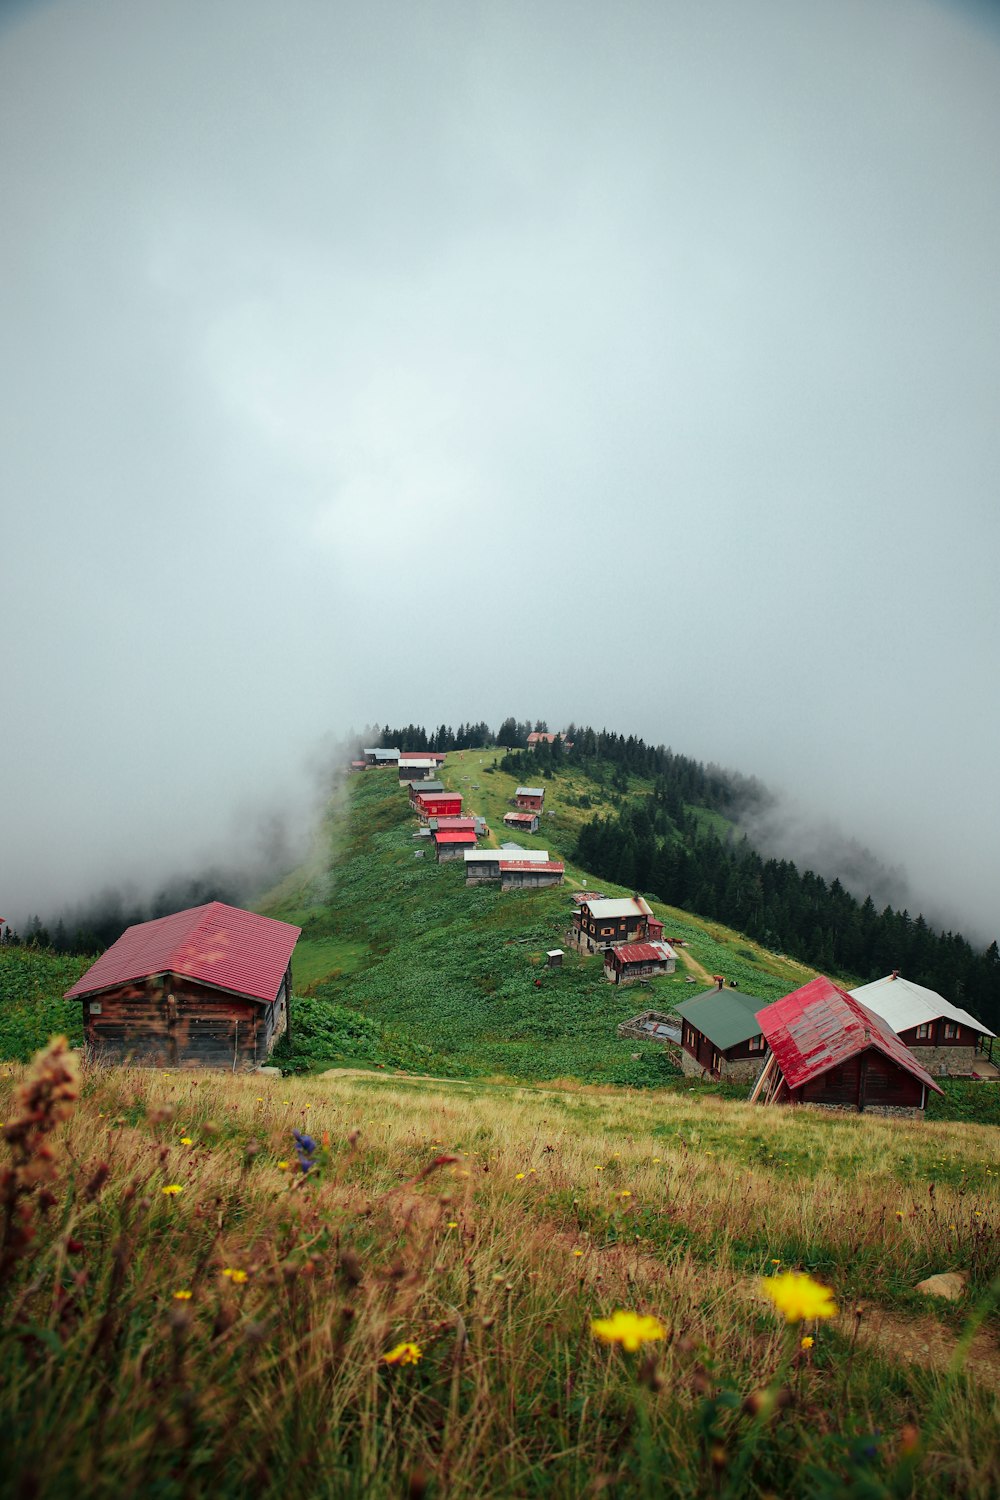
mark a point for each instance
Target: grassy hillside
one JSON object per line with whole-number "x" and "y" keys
{"x": 456, "y": 976}
{"x": 192, "y": 1315}
{"x": 32, "y": 985}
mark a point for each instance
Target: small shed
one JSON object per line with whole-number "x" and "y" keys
{"x": 721, "y": 1036}
{"x": 554, "y": 958}
{"x": 830, "y": 1049}
{"x": 946, "y": 1039}
{"x": 530, "y": 798}
{"x": 522, "y": 819}
{"x": 207, "y": 987}
{"x": 629, "y": 962}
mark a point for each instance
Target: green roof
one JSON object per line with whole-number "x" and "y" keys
{"x": 726, "y": 1017}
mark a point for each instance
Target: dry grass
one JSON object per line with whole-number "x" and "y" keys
{"x": 418, "y": 1225}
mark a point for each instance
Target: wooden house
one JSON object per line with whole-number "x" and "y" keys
{"x": 721, "y": 1036}
{"x": 451, "y": 843}
{"x": 620, "y": 919}
{"x": 526, "y": 874}
{"x": 530, "y": 798}
{"x": 379, "y": 757}
{"x": 484, "y": 864}
{"x": 525, "y": 821}
{"x": 438, "y": 804}
{"x": 829, "y": 1049}
{"x": 629, "y": 962}
{"x": 420, "y": 768}
{"x": 539, "y": 737}
{"x": 944, "y": 1038}
{"x": 206, "y": 987}
{"x": 437, "y": 756}
{"x": 417, "y": 787}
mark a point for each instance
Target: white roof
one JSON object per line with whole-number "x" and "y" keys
{"x": 618, "y": 906}
{"x": 417, "y": 764}
{"x": 536, "y": 856}
{"x": 903, "y": 1004}
{"x": 530, "y": 791}
{"x": 382, "y": 754}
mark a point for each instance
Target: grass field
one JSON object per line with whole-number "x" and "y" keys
{"x": 232, "y": 1333}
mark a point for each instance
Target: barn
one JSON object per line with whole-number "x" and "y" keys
{"x": 721, "y": 1036}
{"x": 207, "y": 987}
{"x": 946, "y": 1040}
{"x": 629, "y": 962}
{"x": 451, "y": 843}
{"x": 530, "y": 798}
{"x": 829, "y": 1049}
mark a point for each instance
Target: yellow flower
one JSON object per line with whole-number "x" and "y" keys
{"x": 626, "y": 1193}
{"x": 799, "y": 1297}
{"x": 629, "y": 1329}
{"x": 807, "y": 1342}
{"x": 172, "y": 1189}
{"x": 776, "y": 1262}
{"x": 403, "y": 1354}
{"x": 577, "y": 1252}
{"x": 518, "y": 1176}
{"x": 283, "y": 1166}
{"x": 235, "y": 1276}
{"x": 186, "y": 1140}
{"x": 452, "y": 1223}
{"x": 182, "y": 1296}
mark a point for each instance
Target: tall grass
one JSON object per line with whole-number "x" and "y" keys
{"x": 487, "y": 1227}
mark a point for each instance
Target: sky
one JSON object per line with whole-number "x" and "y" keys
{"x": 637, "y": 365}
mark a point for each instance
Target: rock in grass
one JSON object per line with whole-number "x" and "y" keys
{"x": 949, "y": 1284}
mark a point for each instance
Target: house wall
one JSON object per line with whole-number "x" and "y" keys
{"x": 177, "y": 1023}
{"x": 944, "y": 1056}
{"x": 529, "y": 804}
{"x": 736, "y": 1065}
{"x": 632, "y": 973}
{"x": 616, "y": 930}
{"x": 869, "y": 1081}
{"x": 512, "y": 880}
{"x": 451, "y": 851}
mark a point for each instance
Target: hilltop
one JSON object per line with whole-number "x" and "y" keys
{"x": 454, "y": 976}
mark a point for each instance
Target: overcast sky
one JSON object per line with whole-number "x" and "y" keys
{"x": 637, "y": 364}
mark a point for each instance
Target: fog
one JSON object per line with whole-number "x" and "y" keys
{"x": 634, "y": 365}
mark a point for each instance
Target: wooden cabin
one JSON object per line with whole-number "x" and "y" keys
{"x": 417, "y": 769}
{"x": 721, "y": 1036}
{"x": 629, "y": 962}
{"x": 620, "y": 919}
{"x": 438, "y": 804}
{"x": 525, "y": 874}
{"x": 530, "y": 798}
{"x": 207, "y": 987}
{"x": 418, "y": 787}
{"x": 377, "y": 757}
{"x": 484, "y": 864}
{"x": 830, "y": 1050}
{"x": 944, "y": 1038}
{"x": 451, "y": 843}
{"x": 525, "y": 821}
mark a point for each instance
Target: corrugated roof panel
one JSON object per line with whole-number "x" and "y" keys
{"x": 643, "y": 953}
{"x": 215, "y": 944}
{"x": 726, "y": 1017}
{"x": 903, "y": 1004}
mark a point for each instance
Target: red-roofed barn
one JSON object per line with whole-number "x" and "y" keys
{"x": 829, "y": 1049}
{"x": 206, "y": 987}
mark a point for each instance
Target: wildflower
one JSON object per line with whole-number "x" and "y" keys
{"x": 518, "y": 1176}
{"x": 629, "y": 1329}
{"x": 807, "y": 1342}
{"x": 403, "y": 1354}
{"x": 899, "y": 1213}
{"x": 283, "y": 1166}
{"x": 577, "y": 1252}
{"x": 172, "y": 1189}
{"x": 186, "y": 1140}
{"x": 305, "y": 1150}
{"x": 626, "y": 1193}
{"x": 183, "y": 1295}
{"x": 233, "y": 1274}
{"x": 799, "y": 1297}
{"x": 776, "y": 1262}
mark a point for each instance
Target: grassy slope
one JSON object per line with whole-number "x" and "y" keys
{"x": 454, "y": 970}
{"x": 550, "y": 1208}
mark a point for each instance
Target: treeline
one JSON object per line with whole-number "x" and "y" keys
{"x": 95, "y": 925}
{"x": 656, "y": 846}
{"x": 414, "y": 737}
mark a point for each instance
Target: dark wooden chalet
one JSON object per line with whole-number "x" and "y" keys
{"x": 417, "y": 787}
{"x": 524, "y": 874}
{"x": 947, "y": 1040}
{"x": 620, "y": 919}
{"x": 525, "y": 820}
{"x": 484, "y": 864}
{"x": 451, "y": 843}
{"x": 379, "y": 757}
{"x": 721, "y": 1036}
{"x": 206, "y": 987}
{"x": 829, "y": 1049}
{"x": 424, "y": 769}
{"x": 629, "y": 962}
{"x": 530, "y": 798}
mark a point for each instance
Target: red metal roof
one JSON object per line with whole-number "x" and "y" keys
{"x": 438, "y": 755}
{"x": 454, "y": 835}
{"x": 819, "y": 1026}
{"x": 640, "y": 953}
{"x": 532, "y": 864}
{"x": 219, "y": 945}
{"x": 454, "y": 822}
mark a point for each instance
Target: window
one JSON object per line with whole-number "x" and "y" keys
{"x": 716, "y": 1063}
{"x": 923, "y": 1031}
{"x": 756, "y": 1043}
{"x": 950, "y": 1029}
{"x": 607, "y": 932}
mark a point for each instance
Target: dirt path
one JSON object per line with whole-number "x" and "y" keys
{"x": 694, "y": 967}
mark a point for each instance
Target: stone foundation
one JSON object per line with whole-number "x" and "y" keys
{"x": 889, "y": 1111}
{"x": 742, "y": 1070}
{"x": 946, "y": 1062}
{"x": 633, "y": 1029}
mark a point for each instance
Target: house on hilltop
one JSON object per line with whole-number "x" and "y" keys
{"x": 829, "y": 1049}
{"x": 417, "y": 768}
{"x": 438, "y": 804}
{"x": 540, "y": 737}
{"x": 629, "y": 962}
{"x": 946, "y": 1040}
{"x": 721, "y": 1036}
{"x": 452, "y": 842}
{"x": 619, "y": 919}
{"x": 207, "y": 987}
{"x": 525, "y": 822}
